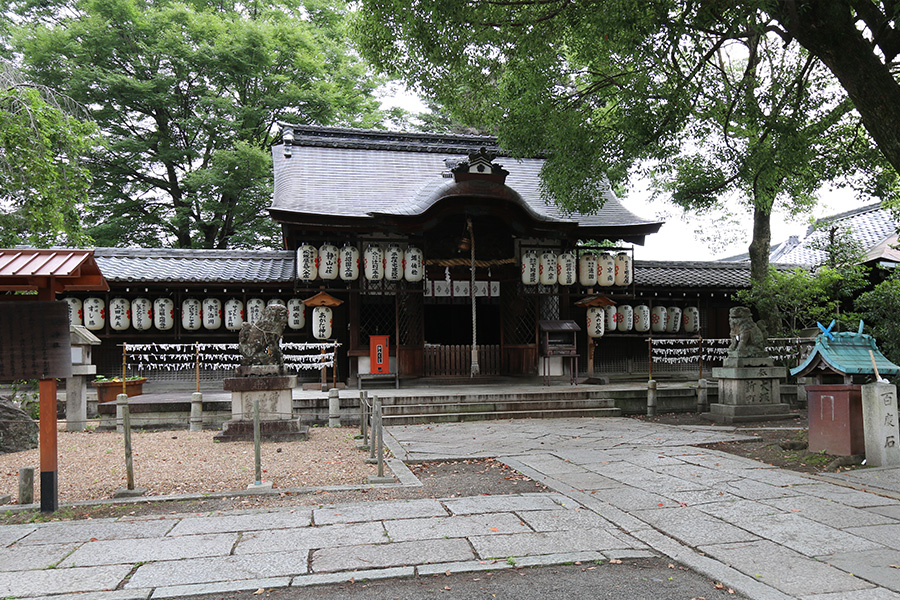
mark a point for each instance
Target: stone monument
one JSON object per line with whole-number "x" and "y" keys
{"x": 880, "y": 424}
{"x": 749, "y": 381}
{"x": 262, "y": 377}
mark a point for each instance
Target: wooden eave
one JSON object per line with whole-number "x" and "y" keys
{"x": 54, "y": 271}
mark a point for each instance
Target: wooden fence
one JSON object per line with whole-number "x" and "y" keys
{"x": 456, "y": 361}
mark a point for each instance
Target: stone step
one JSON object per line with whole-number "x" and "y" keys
{"x": 455, "y": 417}
{"x": 484, "y": 405}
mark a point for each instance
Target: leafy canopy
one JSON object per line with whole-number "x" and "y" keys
{"x": 43, "y": 180}
{"x": 188, "y": 95}
{"x": 709, "y": 98}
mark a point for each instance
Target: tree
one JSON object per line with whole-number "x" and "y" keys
{"x": 879, "y": 308}
{"x": 188, "y": 95}
{"x": 709, "y": 94}
{"x": 43, "y": 180}
{"x": 797, "y": 299}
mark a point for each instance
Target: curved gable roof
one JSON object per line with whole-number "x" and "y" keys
{"x": 356, "y": 174}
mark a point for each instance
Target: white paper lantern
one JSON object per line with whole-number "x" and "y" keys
{"x": 547, "y": 267}
{"x": 566, "y": 269}
{"x": 587, "y": 269}
{"x": 119, "y": 314}
{"x": 673, "y": 322}
{"x": 191, "y": 314}
{"x": 76, "y": 311}
{"x": 307, "y": 262}
{"x": 212, "y": 313}
{"x": 296, "y": 313}
{"x": 624, "y": 317}
{"x": 142, "y": 314}
{"x": 413, "y": 265}
{"x": 234, "y": 314}
{"x": 623, "y": 269}
{"x": 374, "y": 263}
{"x": 659, "y": 319}
{"x": 255, "y": 307}
{"x": 322, "y": 322}
{"x": 612, "y": 318}
{"x": 530, "y": 268}
{"x": 596, "y": 321}
{"x": 94, "y": 313}
{"x": 606, "y": 270}
{"x": 393, "y": 263}
{"x": 164, "y": 314}
{"x": 691, "y": 319}
{"x": 329, "y": 259}
{"x": 642, "y": 318}
{"x": 349, "y": 262}
{"x": 274, "y": 301}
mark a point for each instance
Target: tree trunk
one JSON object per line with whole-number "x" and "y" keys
{"x": 760, "y": 247}
{"x": 826, "y": 29}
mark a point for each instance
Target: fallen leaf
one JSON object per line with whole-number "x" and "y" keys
{"x": 615, "y": 561}
{"x": 494, "y": 529}
{"x": 259, "y": 591}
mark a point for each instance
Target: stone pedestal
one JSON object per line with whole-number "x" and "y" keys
{"x": 879, "y": 410}
{"x": 277, "y": 422}
{"x": 749, "y": 390}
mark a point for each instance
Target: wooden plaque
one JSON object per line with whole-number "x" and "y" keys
{"x": 34, "y": 340}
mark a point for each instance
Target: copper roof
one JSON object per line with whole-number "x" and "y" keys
{"x": 64, "y": 269}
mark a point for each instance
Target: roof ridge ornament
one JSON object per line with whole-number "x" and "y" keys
{"x": 480, "y": 165}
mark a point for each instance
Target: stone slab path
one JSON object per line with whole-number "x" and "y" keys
{"x": 620, "y": 488}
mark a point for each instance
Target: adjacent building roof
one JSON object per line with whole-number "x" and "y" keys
{"x": 692, "y": 275}
{"x": 358, "y": 174}
{"x": 157, "y": 265}
{"x": 142, "y": 265}
{"x": 63, "y": 269}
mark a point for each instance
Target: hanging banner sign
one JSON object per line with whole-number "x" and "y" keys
{"x": 36, "y": 342}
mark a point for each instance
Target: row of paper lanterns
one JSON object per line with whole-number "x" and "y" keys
{"x": 642, "y": 318}
{"x": 143, "y": 314}
{"x": 329, "y": 263}
{"x": 549, "y": 268}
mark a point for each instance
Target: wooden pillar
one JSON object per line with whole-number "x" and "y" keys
{"x": 49, "y": 462}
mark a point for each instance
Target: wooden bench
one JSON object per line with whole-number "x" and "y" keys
{"x": 375, "y": 376}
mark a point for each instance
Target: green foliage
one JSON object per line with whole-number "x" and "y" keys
{"x": 709, "y": 99}
{"x": 43, "y": 181}
{"x": 879, "y": 308}
{"x": 188, "y": 95}
{"x": 797, "y": 299}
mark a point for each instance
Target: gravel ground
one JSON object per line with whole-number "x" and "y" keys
{"x": 92, "y": 464}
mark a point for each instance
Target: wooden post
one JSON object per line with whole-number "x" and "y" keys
{"x": 650, "y": 357}
{"x": 590, "y": 356}
{"x": 257, "y": 454}
{"x": 197, "y": 363}
{"x": 122, "y": 401}
{"x": 124, "y": 355}
{"x": 48, "y": 444}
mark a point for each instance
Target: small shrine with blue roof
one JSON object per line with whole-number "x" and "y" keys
{"x": 845, "y": 357}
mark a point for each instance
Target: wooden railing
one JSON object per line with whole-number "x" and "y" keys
{"x": 456, "y": 361}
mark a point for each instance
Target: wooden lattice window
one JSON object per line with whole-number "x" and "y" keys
{"x": 520, "y": 310}
{"x": 377, "y": 316}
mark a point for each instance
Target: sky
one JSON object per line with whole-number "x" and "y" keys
{"x": 687, "y": 237}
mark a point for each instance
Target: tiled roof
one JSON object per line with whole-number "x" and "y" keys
{"x": 357, "y": 173}
{"x": 848, "y": 354}
{"x": 699, "y": 275}
{"x": 144, "y": 265}
{"x": 870, "y": 225}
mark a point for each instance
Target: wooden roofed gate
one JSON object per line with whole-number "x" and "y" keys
{"x": 34, "y": 330}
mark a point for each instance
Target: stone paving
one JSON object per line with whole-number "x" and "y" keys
{"x": 621, "y": 489}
